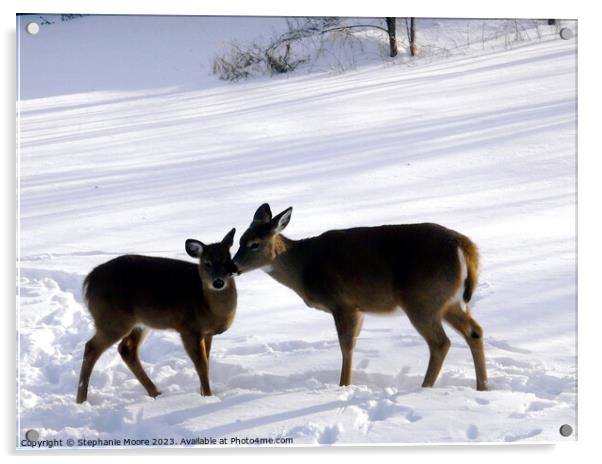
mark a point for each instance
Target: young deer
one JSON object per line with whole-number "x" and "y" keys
{"x": 425, "y": 269}
{"x": 130, "y": 294}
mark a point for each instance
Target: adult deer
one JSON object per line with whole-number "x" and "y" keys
{"x": 130, "y": 294}
{"x": 425, "y": 269}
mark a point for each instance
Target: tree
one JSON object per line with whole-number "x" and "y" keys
{"x": 392, "y": 36}
{"x": 411, "y": 30}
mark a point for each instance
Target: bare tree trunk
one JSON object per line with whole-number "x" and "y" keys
{"x": 392, "y": 36}
{"x": 413, "y": 36}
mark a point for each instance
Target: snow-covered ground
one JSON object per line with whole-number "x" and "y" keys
{"x": 128, "y": 145}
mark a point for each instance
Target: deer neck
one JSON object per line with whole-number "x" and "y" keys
{"x": 221, "y": 301}
{"x": 286, "y": 266}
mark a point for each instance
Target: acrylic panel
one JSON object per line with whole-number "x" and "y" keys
{"x": 136, "y": 133}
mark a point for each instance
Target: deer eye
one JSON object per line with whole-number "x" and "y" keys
{"x": 208, "y": 264}
{"x": 254, "y": 246}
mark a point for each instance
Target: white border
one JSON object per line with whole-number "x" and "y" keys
{"x": 589, "y": 237}
{"x": 427, "y": 8}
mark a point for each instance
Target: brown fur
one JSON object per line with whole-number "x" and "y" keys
{"x": 350, "y": 272}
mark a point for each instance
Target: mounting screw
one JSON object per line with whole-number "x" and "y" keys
{"x": 32, "y": 28}
{"x": 32, "y": 435}
{"x": 566, "y": 430}
{"x": 566, "y": 33}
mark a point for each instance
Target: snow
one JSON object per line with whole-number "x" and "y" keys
{"x": 129, "y": 145}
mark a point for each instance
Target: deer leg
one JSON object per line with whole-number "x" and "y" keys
{"x": 96, "y": 346}
{"x": 129, "y": 349}
{"x": 208, "y": 339}
{"x": 195, "y": 347}
{"x": 473, "y": 334}
{"x": 348, "y": 324}
{"x": 431, "y": 329}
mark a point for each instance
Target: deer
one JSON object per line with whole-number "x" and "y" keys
{"x": 427, "y": 270}
{"x": 132, "y": 294}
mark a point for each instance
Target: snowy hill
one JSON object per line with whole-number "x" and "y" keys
{"x": 123, "y": 156}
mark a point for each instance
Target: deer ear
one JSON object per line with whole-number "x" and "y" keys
{"x": 281, "y": 220}
{"x": 228, "y": 240}
{"x": 263, "y": 214}
{"x": 194, "y": 248}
